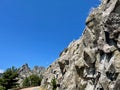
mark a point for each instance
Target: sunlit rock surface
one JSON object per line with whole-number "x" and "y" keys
{"x": 93, "y": 61}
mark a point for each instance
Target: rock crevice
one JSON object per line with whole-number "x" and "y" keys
{"x": 93, "y": 61}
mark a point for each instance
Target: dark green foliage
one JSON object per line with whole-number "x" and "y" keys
{"x": 26, "y": 82}
{"x": 2, "y": 88}
{"x": 54, "y": 84}
{"x": 32, "y": 80}
{"x": 35, "y": 80}
{"x": 9, "y": 78}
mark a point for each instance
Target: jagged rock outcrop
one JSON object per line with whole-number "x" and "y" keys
{"x": 1, "y": 74}
{"x": 25, "y": 71}
{"x": 93, "y": 61}
{"x": 38, "y": 70}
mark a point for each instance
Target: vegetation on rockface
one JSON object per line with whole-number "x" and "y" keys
{"x": 54, "y": 84}
{"x": 9, "y": 79}
{"x": 32, "y": 80}
{"x": 2, "y": 88}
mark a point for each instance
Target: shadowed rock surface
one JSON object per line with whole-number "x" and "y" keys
{"x": 1, "y": 74}
{"x": 93, "y": 61}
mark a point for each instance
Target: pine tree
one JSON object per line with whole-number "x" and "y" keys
{"x": 9, "y": 78}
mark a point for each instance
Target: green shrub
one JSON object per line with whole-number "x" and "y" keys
{"x": 32, "y": 80}
{"x": 35, "y": 80}
{"x": 54, "y": 84}
{"x": 26, "y": 82}
{"x": 2, "y": 88}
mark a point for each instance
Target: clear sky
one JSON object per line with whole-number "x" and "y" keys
{"x": 36, "y": 31}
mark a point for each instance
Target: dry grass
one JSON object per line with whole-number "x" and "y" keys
{"x": 42, "y": 88}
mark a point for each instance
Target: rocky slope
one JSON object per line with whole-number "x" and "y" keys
{"x": 25, "y": 71}
{"x": 93, "y": 61}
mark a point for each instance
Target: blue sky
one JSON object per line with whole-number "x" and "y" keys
{"x": 36, "y": 31}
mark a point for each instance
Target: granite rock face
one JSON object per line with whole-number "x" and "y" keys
{"x": 93, "y": 61}
{"x": 25, "y": 71}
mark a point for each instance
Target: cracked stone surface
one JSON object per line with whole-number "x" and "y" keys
{"x": 93, "y": 61}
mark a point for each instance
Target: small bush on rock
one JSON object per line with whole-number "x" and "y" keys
{"x": 54, "y": 84}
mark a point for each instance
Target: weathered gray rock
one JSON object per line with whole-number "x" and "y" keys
{"x": 93, "y": 61}
{"x": 25, "y": 71}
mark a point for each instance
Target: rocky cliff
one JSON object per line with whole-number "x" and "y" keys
{"x": 93, "y": 61}
{"x": 25, "y": 71}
